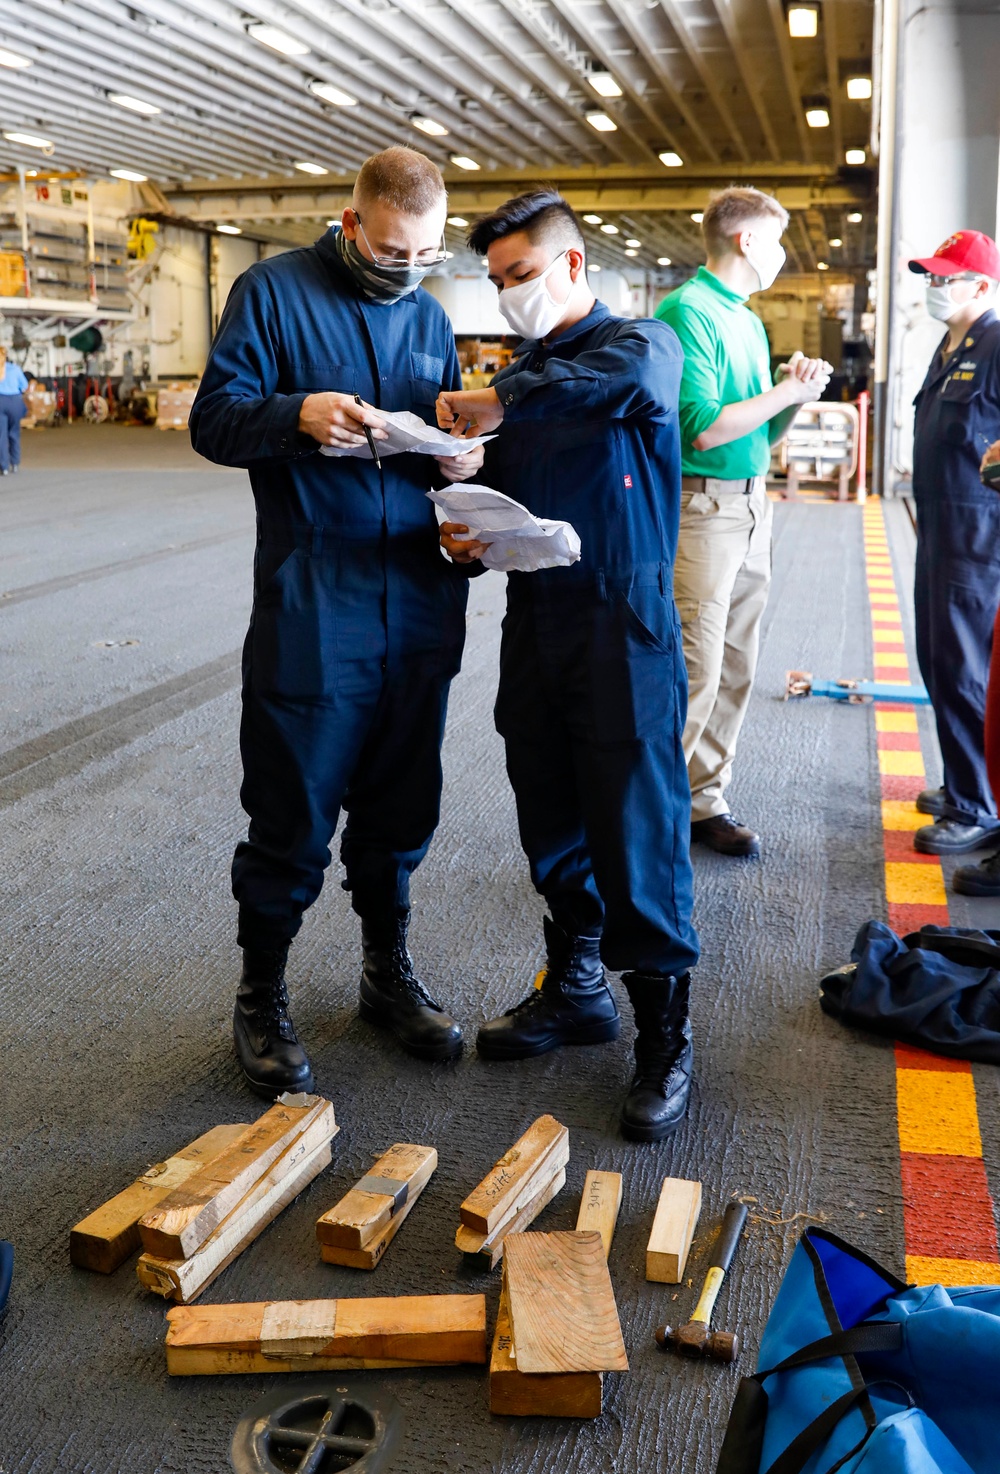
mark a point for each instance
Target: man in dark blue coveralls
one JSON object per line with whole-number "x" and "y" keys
{"x": 593, "y": 693}
{"x": 957, "y": 587}
{"x": 358, "y": 621}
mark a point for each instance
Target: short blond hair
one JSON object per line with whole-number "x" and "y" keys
{"x": 401, "y": 178}
{"x": 731, "y": 210}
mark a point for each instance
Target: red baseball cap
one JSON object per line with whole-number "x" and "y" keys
{"x": 966, "y": 250}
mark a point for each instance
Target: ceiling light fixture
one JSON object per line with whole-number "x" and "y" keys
{"x": 131, "y": 176}
{"x": 593, "y": 266}
{"x": 803, "y": 21}
{"x": 334, "y": 95}
{"x": 610, "y": 229}
{"x": 855, "y": 156}
{"x": 855, "y": 217}
{"x": 859, "y": 89}
{"x": 593, "y": 219}
{"x": 13, "y": 59}
{"x": 276, "y": 40}
{"x": 671, "y": 160}
{"x": 604, "y": 84}
{"x": 698, "y": 217}
{"x": 663, "y": 261}
{"x": 631, "y": 253}
{"x": 634, "y": 242}
{"x": 29, "y": 140}
{"x": 457, "y": 221}
{"x": 602, "y": 122}
{"x": 429, "y": 126}
{"x": 818, "y": 117}
{"x": 229, "y": 229}
{"x": 307, "y": 167}
{"x": 462, "y": 161}
{"x": 134, "y": 104}
{"x": 835, "y": 241}
{"x": 822, "y": 266}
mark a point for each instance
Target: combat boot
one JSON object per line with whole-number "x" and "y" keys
{"x": 270, "y": 1055}
{"x": 657, "y": 1100}
{"x": 570, "y": 1004}
{"x": 394, "y": 998}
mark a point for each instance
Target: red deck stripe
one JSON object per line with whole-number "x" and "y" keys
{"x": 905, "y": 917}
{"x": 899, "y": 742}
{"x": 899, "y": 786}
{"x": 898, "y": 845}
{"x": 947, "y": 1208}
{"x": 908, "y": 1057}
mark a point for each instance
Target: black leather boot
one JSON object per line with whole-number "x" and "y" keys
{"x": 270, "y": 1056}
{"x": 664, "y": 1056}
{"x": 392, "y": 996}
{"x": 573, "y": 1005}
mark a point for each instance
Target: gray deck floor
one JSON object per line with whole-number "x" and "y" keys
{"x": 126, "y": 563}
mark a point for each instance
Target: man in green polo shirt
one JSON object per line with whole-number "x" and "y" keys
{"x": 730, "y": 416}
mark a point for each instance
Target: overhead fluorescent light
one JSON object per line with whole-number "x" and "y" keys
{"x": 329, "y": 93}
{"x": 31, "y": 173}
{"x": 859, "y": 89}
{"x": 834, "y": 242}
{"x": 631, "y": 253}
{"x": 229, "y": 229}
{"x": 277, "y": 40}
{"x": 803, "y": 21}
{"x": 134, "y": 104}
{"x": 671, "y": 160}
{"x": 457, "y": 221}
{"x": 602, "y": 122}
{"x": 818, "y": 117}
{"x": 855, "y": 217}
{"x": 822, "y": 266}
{"x": 593, "y": 219}
{"x": 593, "y": 266}
{"x": 429, "y": 126}
{"x": 604, "y": 84}
{"x": 610, "y": 229}
{"x": 634, "y": 242}
{"x": 698, "y": 216}
{"x": 462, "y": 161}
{"x": 131, "y": 176}
{"x": 13, "y": 58}
{"x": 29, "y": 140}
{"x": 307, "y": 167}
{"x": 855, "y": 156}
{"x": 663, "y": 261}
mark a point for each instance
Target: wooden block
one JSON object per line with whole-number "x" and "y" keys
{"x": 673, "y": 1229}
{"x": 408, "y": 1330}
{"x": 184, "y": 1279}
{"x": 546, "y": 1394}
{"x": 365, "y": 1213}
{"x": 371, "y": 1255}
{"x": 105, "y": 1238}
{"x": 562, "y": 1306}
{"x": 600, "y": 1205}
{"x": 490, "y": 1248}
{"x": 501, "y": 1191}
{"x": 183, "y": 1222}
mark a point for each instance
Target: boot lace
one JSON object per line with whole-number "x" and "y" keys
{"x": 402, "y": 966}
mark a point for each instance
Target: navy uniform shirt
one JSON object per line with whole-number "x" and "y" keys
{"x": 958, "y": 415}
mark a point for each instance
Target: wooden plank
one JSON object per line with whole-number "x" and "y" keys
{"x": 600, "y": 1205}
{"x": 408, "y": 1330}
{"x": 105, "y": 1238}
{"x": 497, "y": 1196}
{"x": 545, "y": 1394}
{"x": 562, "y": 1306}
{"x": 673, "y": 1229}
{"x": 184, "y": 1279}
{"x": 490, "y": 1249}
{"x": 180, "y": 1224}
{"x": 371, "y": 1255}
{"x": 363, "y": 1214}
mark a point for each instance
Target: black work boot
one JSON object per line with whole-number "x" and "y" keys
{"x": 393, "y": 997}
{"x": 270, "y": 1056}
{"x": 664, "y": 1056}
{"x": 572, "y": 1005}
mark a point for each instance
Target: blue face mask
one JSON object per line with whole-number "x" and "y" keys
{"x": 383, "y": 284}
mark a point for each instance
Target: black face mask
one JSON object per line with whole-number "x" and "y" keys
{"x": 383, "y": 284}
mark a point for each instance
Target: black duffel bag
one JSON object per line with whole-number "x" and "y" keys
{"x": 938, "y": 988}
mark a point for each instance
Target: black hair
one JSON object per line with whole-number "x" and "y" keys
{"x": 542, "y": 214}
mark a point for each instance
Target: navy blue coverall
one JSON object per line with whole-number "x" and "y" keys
{"x": 358, "y": 621}
{"x": 957, "y": 585}
{"x": 593, "y": 691}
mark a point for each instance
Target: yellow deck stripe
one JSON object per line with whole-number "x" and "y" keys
{"x": 937, "y": 1113}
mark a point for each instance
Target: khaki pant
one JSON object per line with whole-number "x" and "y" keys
{"x": 721, "y": 580}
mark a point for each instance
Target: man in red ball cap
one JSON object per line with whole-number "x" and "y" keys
{"x": 957, "y": 585}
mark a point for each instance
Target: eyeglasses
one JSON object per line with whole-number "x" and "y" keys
{"x": 946, "y": 281}
{"x": 403, "y": 263}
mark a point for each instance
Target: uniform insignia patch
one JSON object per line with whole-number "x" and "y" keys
{"x": 628, "y": 483}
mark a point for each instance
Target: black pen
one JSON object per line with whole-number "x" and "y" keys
{"x": 369, "y": 436}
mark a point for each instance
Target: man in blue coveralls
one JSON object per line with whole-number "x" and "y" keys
{"x": 592, "y": 693}
{"x": 358, "y": 621}
{"x": 957, "y": 586}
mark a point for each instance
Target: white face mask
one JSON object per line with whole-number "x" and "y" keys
{"x": 766, "y": 258}
{"x": 530, "y": 308}
{"x": 941, "y": 304}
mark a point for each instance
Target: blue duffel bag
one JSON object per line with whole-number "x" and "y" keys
{"x": 859, "y": 1374}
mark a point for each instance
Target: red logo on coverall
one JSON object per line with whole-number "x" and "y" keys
{"x": 628, "y": 483}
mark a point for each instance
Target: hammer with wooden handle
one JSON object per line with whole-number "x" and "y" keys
{"x": 695, "y": 1339}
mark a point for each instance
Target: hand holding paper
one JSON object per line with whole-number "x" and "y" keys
{"x": 518, "y": 542}
{"x": 405, "y": 431}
